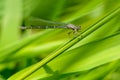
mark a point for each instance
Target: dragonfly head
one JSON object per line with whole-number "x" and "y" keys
{"x": 73, "y": 27}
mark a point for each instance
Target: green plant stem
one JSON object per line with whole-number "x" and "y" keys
{"x": 69, "y": 44}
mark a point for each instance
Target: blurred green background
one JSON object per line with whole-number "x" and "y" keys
{"x": 96, "y": 57}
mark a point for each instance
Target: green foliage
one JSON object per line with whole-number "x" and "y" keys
{"x": 52, "y": 54}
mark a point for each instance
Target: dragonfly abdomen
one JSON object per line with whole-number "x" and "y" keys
{"x": 42, "y": 27}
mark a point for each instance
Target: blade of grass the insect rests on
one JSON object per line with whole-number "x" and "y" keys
{"x": 87, "y": 65}
{"x": 11, "y": 20}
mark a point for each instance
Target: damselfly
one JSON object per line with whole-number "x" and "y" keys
{"x": 34, "y": 23}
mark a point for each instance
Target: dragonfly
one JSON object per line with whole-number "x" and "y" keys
{"x": 35, "y": 23}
